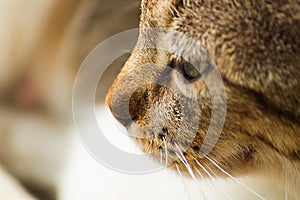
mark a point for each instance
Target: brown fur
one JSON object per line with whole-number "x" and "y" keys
{"x": 256, "y": 47}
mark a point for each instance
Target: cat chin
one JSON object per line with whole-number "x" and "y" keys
{"x": 85, "y": 178}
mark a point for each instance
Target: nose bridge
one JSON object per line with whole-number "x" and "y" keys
{"x": 139, "y": 69}
{"x": 144, "y": 67}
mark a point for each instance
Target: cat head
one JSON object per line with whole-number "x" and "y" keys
{"x": 165, "y": 101}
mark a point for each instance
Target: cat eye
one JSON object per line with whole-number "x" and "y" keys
{"x": 188, "y": 70}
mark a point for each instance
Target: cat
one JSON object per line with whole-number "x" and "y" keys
{"x": 255, "y": 47}
{"x": 45, "y": 44}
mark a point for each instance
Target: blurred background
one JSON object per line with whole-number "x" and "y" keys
{"x": 43, "y": 44}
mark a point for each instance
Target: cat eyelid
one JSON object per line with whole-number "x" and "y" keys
{"x": 187, "y": 52}
{"x": 188, "y": 70}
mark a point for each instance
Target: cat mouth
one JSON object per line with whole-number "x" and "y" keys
{"x": 186, "y": 156}
{"x": 181, "y": 150}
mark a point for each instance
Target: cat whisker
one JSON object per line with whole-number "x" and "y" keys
{"x": 149, "y": 146}
{"x": 166, "y": 151}
{"x": 184, "y": 161}
{"x": 204, "y": 169}
{"x": 188, "y": 167}
{"x": 182, "y": 180}
{"x": 199, "y": 173}
{"x": 211, "y": 171}
{"x": 214, "y": 174}
{"x": 234, "y": 179}
{"x": 211, "y": 185}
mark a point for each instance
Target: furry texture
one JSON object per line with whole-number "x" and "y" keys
{"x": 255, "y": 45}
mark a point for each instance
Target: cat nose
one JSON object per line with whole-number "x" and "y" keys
{"x": 124, "y": 121}
{"x": 118, "y": 112}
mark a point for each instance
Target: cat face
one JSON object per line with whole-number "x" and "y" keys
{"x": 255, "y": 46}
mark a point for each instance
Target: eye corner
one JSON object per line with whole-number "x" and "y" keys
{"x": 175, "y": 61}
